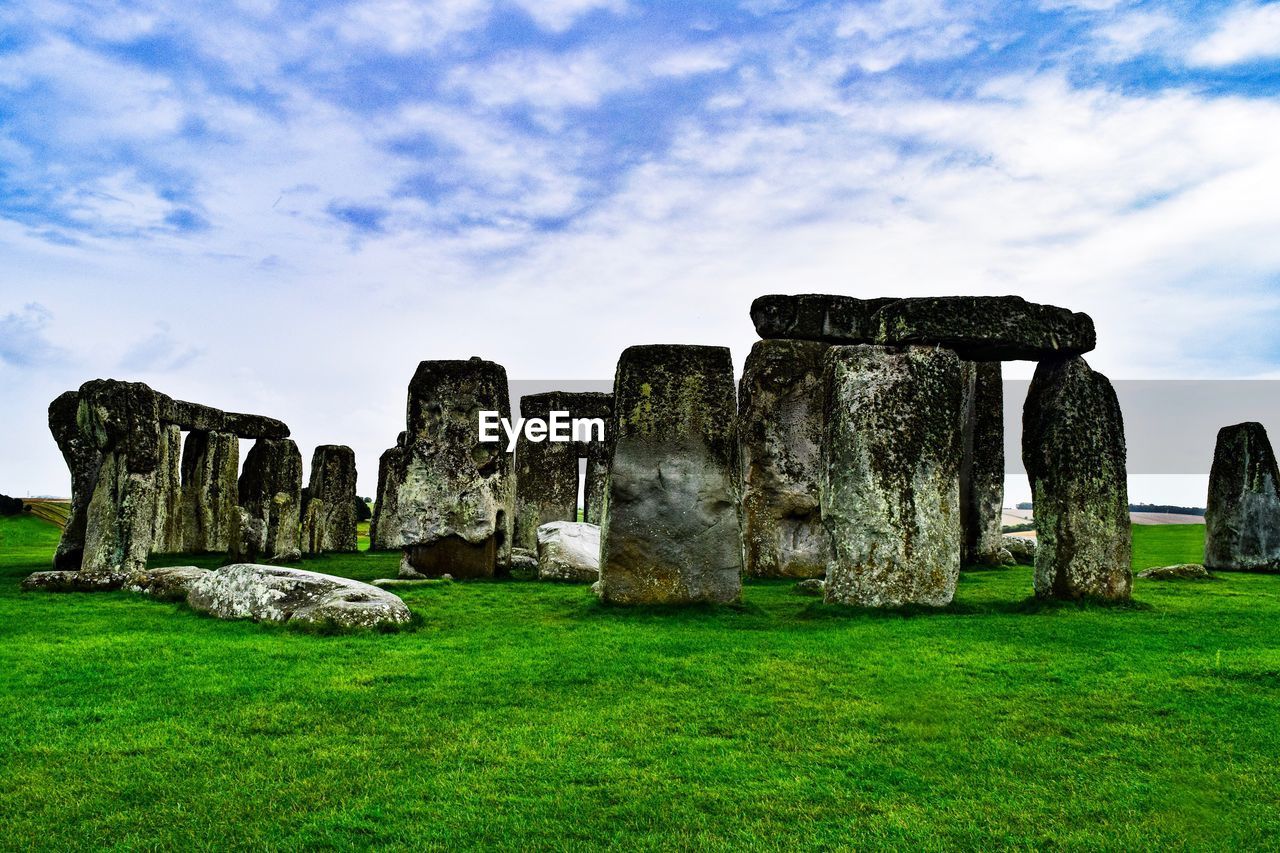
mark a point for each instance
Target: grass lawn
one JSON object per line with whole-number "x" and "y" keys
{"x": 524, "y": 715}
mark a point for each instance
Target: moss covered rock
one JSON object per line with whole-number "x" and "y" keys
{"x": 982, "y": 469}
{"x": 817, "y": 317}
{"x": 83, "y": 458}
{"x": 390, "y": 465}
{"x": 210, "y": 491}
{"x": 891, "y": 475}
{"x": 270, "y": 494}
{"x": 1242, "y": 517}
{"x": 546, "y": 472}
{"x": 1074, "y": 452}
{"x": 329, "y": 513}
{"x": 987, "y": 328}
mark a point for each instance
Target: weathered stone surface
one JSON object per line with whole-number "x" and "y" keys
{"x": 522, "y": 560}
{"x": 172, "y": 583}
{"x": 569, "y": 551}
{"x": 780, "y": 424}
{"x": 986, "y": 328}
{"x": 390, "y": 466}
{"x": 670, "y": 533}
{"x": 1074, "y": 452}
{"x": 276, "y": 594}
{"x": 71, "y": 581}
{"x": 1020, "y": 549}
{"x": 456, "y": 500}
{"x": 546, "y": 472}
{"x": 595, "y": 483}
{"x": 83, "y": 458}
{"x": 1182, "y": 571}
{"x": 811, "y": 586}
{"x": 817, "y": 317}
{"x": 1242, "y": 516}
{"x": 200, "y": 418}
{"x": 982, "y": 468}
{"x": 270, "y": 497}
{"x": 329, "y": 513}
{"x": 891, "y": 475}
{"x": 167, "y": 532}
{"x": 210, "y": 471}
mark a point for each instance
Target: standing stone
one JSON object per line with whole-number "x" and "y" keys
{"x": 982, "y": 471}
{"x": 670, "y": 533}
{"x": 780, "y": 433}
{"x": 1242, "y": 516}
{"x": 546, "y": 473}
{"x": 390, "y": 464}
{"x": 1073, "y": 449}
{"x": 454, "y": 508}
{"x": 595, "y": 481}
{"x": 83, "y": 459}
{"x": 270, "y": 495}
{"x": 891, "y": 475}
{"x": 122, "y": 421}
{"x": 329, "y": 516}
{"x": 167, "y": 535}
{"x": 210, "y": 470}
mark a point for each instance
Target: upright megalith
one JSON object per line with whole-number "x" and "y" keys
{"x": 982, "y": 469}
{"x": 597, "y": 450}
{"x": 270, "y": 495}
{"x": 546, "y": 471}
{"x": 780, "y": 420}
{"x": 83, "y": 459}
{"x": 455, "y": 502}
{"x": 891, "y": 458}
{"x": 210, "y": 471}
{"x": 121, "y": 419}
{"x": 1242, "y": 516}
{"x": 670, "y": 533}
{"x": 329, "y": 511}
{"x": 1074, "y": 452}
{"x": 167, "y": 533}
{"x": 390, "y": 465}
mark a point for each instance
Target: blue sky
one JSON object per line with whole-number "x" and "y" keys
{"x": 283, "y": 206}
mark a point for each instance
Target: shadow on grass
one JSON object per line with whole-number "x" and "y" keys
{"x": 1027, "y": 606}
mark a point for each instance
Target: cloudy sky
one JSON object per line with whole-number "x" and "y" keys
{"x": 281, "y": 207}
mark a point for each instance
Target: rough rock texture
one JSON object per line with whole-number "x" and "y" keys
{"x": 817, "y": 317}
{"x": 987, "y": 328}
{"x": 276, "y": 594}
{"x": 167, "y": 532}
{"x": 546, "y": 473}
{"x": 456, "y": 499}
{"x": 270, "y": 496}
{"x": 71, "y": 581}
{"x": 390, "y": 464}
{"x": 1020, "y": 549}
{"x": 171, "y": 583}
{"x": 595, "y": 483}
{"x": 83, "y": 458}
{"x": 569, "y": 551}
{"x": 1074, "y": 452}
{"x": 780, "y": 438}
{"x": 121, "y": 419}
{"x": 210, "y": 470}
{"x": 329, "y": 512}
{"x": 891, "y": 475}
{"x": 670, "y": 533}
{"x": 811, "y": 586}
{"x": 1182, "y": 571}
{"x": 199, "y": 418}
{"x": 1242, "y": 516}
{"x": 982, "y": 468}
{"x": 523, "y": 560}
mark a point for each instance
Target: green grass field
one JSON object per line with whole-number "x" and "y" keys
{"x": 524, "y": 715}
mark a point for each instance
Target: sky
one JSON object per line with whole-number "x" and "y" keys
{"x": 281, "y": 207}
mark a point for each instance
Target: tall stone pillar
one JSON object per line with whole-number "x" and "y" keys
{"x": 210, "y": 471}
{"x": 596, "y": 450}
{"x": 891, "y": 475}
{"x": 982, "y": 471}
{"x": 167, "y": 536}
{"x": 329, "y": 515}
{"x": 546, "y": 473}
{"x": 83, "y": 459}
{"x": 1242, "y": 516}
{"x": 670, "y": 533}
{"x": 390, "y": 464}
{"x": 1074, "y": 452}
{"x": 270, "y": 495}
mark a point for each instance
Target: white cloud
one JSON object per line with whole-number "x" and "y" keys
{"x": 887, "y": 33}
{"x": 1134, "y": 33}
{"x": 560, "y": 15}
{"x": 1245, "y": 33}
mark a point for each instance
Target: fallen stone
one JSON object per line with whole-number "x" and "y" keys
{"x": 68, "y": 581}
{"x": 891, "y": 475}
{"x": 1242, "y": 516}
{"x": 986, "y": 328}
{"x": 1074, "y": 451}
{"x": 523, "y": 562}
{"x": 1182, "y": 571}
{"x": 569, "y": 551}
{"x": 811, "y": 586}
{"x": 329, "y": 513}
{"x": 170, "y": 584}
{"x": 670, "y": 527}
{"x": 1022, "y": 550}
{"x": 780, "y": 413}
{"x": 817, "y": 317}
{"x": 277, "y": 594}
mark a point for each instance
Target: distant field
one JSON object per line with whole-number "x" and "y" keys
{"x": 525, "y": 715}
{"x": 53, "y": 511}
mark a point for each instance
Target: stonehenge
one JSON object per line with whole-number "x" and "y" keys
{"x": 670, "y": 532}
{"x": 329, "y": 503}
{"x": 1074, "y": 452}
{"x": 1242, "y": 515}
{"x": 389, "y": 464}
{"x": 210, "y": 467}
{"x": 455, "y": 498}
{"x": 270, "y": 493}
{"x": 982, "y": 465}
{"x": 546, "y": 473}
